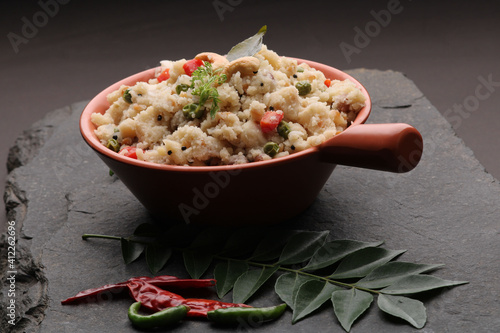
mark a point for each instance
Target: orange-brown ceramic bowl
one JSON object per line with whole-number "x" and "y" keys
{"x": 259, "y": 192}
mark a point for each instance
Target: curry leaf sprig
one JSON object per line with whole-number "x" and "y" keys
{"x": 204, "y": 82}
{"x": 309, "y": 269}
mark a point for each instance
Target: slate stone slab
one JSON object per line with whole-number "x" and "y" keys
{"x": 445, "y": 211}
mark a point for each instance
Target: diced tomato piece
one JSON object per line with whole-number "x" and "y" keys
{"x": 192, "y": 65}
{"x": 270, "y": 120}
{"x": 328, "y": 82}
{"x": 165, "y": 75}
{"x": 129, "y": 152}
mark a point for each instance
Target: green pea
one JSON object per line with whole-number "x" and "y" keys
{"x": 284, "y": 129}
{"x": 192, "y": 111}
{"x": 304, "y": 87}
{"x": 271, "y": 149}
{"x": 300, "y": 69}
{"x": 127, "y": 96}
{"x": 113, "y": 145}
{"x": 166, "y": 317}
{"x": 181, "y": 87}
{"x": 237, "y": 316}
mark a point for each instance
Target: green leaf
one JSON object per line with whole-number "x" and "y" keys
{"x": 362, "y": 262}
{"x": 226, "y": 273}
{"x": 272, "y": 245}
{"x": 418, "y": 283}
{"x": 389, "y": 273}
{"x": 248, "y": 47}
{"x": 302, "y": 246}
{"x": 348, "y": 305}
{"x": 248, "y": 283}
{"x": 288, "y": 284}
{"x": 197, "y": 263}
{"x": 130, "y": 250}
{"x": 156, "y": 257}
{"x": 331, "y": 252}
{"x": 310, "y": 296}
{"x": 411, "y": 310}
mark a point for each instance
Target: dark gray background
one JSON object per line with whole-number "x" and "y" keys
{"x": 80, "y": 47}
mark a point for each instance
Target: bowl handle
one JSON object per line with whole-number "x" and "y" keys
{"x": 387, "y": 147}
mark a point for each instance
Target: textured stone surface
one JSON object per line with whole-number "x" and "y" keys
{"x": 445, "y": 211}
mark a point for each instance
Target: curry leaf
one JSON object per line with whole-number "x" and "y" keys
{"x": 348, "y": 305}
{"x": 413, "y": 284}
{"x": 248, "y": 283}
{"x": 333, "y": 251}
{"x": 248, "y": 47}
{"x": 362, "y": 262}
{"x": 156, "y": 257}
{"x": 130, "y": 250}
{"x": 287, "y": 285}
{"x": 272, "y": 245}
{"x": 196, "y": 263}
{"x": 411, "y": 310}
{"x": 310, "y": 296}
{"x": 303, "y": 289}
{"x": 226, "y": 273}
{"x": 302, "y": 246}
{"x": 389, "y": 273}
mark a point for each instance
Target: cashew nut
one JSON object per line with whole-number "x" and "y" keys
{"x": 244, "y": 65}
{"x": 215, "y": 59}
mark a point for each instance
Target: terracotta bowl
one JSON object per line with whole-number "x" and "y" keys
{"x": 259, "y": 192}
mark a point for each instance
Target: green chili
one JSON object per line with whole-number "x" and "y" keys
{"x": 284, "y": 129}
{"x": 166, "y": 317}
{"x": 113, "y": 145}
{"x": 300, "y": 69}
{"x": 127, "y": 96}
{"x": 271, "y": 149}
{"x": 181, "y": 87}
{"x": 304, "y": 87}
{"x": 193, "y": 110}
{"x": 234, "y": 316}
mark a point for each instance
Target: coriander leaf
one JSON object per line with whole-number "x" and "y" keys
{"x": 204, "y": 81}
{"x": 248, "y": 47}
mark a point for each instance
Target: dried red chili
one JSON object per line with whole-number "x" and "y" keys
{"x": 157, "y": 299}
{"x": 163, "y": 281}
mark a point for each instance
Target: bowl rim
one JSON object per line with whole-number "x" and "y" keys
{"x": 100, "y": 103}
